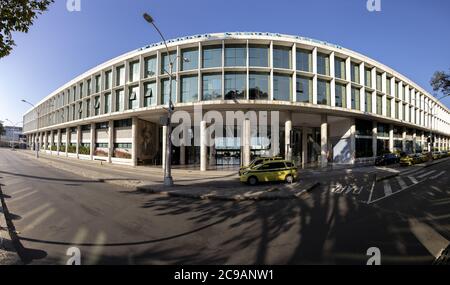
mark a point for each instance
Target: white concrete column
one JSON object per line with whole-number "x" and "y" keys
{"x": 423, "y": 141}
{"x": 41, "y": 140}
{"x": 78, "y": 141}
{"x": 203, "y": 146}
{"x": 182, "y": 154}
{"x": 439, "y": 143}
{"x": 287, "y": 138}
{"x": 93, "y": 140}
{"x": 353, "y": 142}
{"x": 58, "y": 143}
{"x": 246, "y": 131}
{"x": 414, "y": 142}
{"x": 110, "y": 140}
{"x": 164, "y": 147}
{"x": 304, "y": 147}
{"x": 324, "y": 141}
{"x": 134, "y": 141}
{"x": 404, "y": 140}
{"x": 45, "y": 140}
{"x": 67, "y": 141}
{"x": 374, "y": 138}
{"x": 52, "y": 141}
{"x": 391, "y": 138}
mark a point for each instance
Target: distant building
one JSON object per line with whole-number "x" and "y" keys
{"x": 12, "y": 135}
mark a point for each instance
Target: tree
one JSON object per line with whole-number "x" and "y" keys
{"x": 441, "y": 83}
{"x": 2, "y": 129}
{"x": 17, "y": 16}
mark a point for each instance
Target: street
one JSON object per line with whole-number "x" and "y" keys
{"x": 51, "y": 210}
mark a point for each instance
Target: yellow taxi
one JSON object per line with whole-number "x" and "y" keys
{"x": 279, "y": 170}
{"x": 258, "y": 161}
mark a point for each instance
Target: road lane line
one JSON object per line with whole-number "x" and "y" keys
{"x": 426, "y": 174}
{"x": 387, "y": 188}
{"x": 430, "y": 239}
{"x": 371, "y": 192}
{"x": 35, "y": 210}
{"x": 413, "y": 180}
{"x": 437, "y": 175}
{"x": 39, "y": 219}
{"x": 401, "y": 182}
{"x": 20, "y": 191}
{"x": 23, "y": 196}
{"x": 97, "y": 251}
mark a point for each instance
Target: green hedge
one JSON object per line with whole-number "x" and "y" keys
{"x": 53, "y": 148}
{"x": 84, "y": 150}
{"x": 72, "y": 149}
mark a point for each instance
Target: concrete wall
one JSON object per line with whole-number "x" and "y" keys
{"x": 340, "y": 140}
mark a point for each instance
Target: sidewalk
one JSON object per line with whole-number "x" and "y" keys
{"x": 8, "y": 255}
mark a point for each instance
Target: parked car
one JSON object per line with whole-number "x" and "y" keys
{"x": 278, "y": 170}
{"x": 436, "y": 155}
{"x": 386, "y": 159}
{"x": 444, "y": 154}
{"x": 410, "y": 159}
{"x": 424, "y": 157}
{"x": 258, "y": 161}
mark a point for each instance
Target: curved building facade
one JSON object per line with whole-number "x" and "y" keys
{"x": 334, "y": 105}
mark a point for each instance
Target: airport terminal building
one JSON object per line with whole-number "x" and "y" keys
{"x": 335, "y": 105}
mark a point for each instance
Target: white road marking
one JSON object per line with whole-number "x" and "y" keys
{"x": 349, "y": 189}
{"x": 437, "y": 175}
{"x": 371, "y": 192}
{"x": 387, "y": 188}
{"x": 426, "y": 174}
{"x": 413, "y": 180}
{"x": 39, "y": 219}
{"x": 97, "y": 250}
{"x": 401, "y": 182}
{"x": 429, "y": 238}
{"x": 35, "y": 210}
{"x": 23, "y": 196}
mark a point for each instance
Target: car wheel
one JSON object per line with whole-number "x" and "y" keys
{"x": 252, "y": 180}
{"x": 289, "y": 178}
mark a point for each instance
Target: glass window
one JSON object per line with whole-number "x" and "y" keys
{"x": 258, "y": 55}
{"x": 134, "y": 71}
{"x": 382, "y": 130}
{"x": 282, "y": 86}
{"x": 189, "y": 89}
{"x": 150, "y": 66}
{"x": 108, "y": 79}
{"x": 388, "y": 86}
{"x": 212, "y": 56}
{"x": 212, "y": 86}
{"x": 88, "y": 108}
{"x": 259, "y": 86}
{"x": 404, "y": 112}
{"x": 388, "y": 107}
{"x": 397, "y": 110}
{"x": 81, "y": 90}
{"x": 396, "y": 89}
{"x": 355, "y": 98}
{"x": 379, "y": 79}
{"x": 304, "y": 60}
{"x": 80, "y": 110}
{"x": 368, "y": 102}
{"x": 107, "y": 103}
{"x": 120, "y": 75}
{"x": 282, "y": 57}
{"x": 190, "y": 59}
{"x": 340, "y": 95}
{"x": 97, "y": 83}
{"x": 339, "y": 68}
{"x": 379, "y": 105}
{"x": 235, "y": 55}
{"x": 120, "y": 97}
{"x": 368, "y": 78}
{"x": 149, "y": 94}
{"x": 354, "y": 71}
{"x": 323, "y": 92}
{"x": 74, "y": 93}
{"x": 323, "y": 64}
{"x": 304, "y": 89}
{"x": 88, "y": 87}
{"x": 165, "y": 62}
{"x": 165, "y": 91}
{"x": 235, "y": 86}
{"x": 133, "y": 97}
{"x": 97, "y": 105}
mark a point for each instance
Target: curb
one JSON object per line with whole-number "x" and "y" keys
{"x": 8, "y": 253}
{"x": 235, "y": 198}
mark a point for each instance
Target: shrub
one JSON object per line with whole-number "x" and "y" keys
{"x": 53, "y": 148}
{"x": 62, "y": 148}
{"x": 84, "y": 150}
{"x": 121, "y": 154}
{"x": 71, "y": 149}
{"x": 100, "y": 152}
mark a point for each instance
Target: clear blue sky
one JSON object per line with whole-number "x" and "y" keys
{"x": 411, "y": 36}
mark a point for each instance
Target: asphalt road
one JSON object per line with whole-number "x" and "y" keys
{"x": 52, "y": 210}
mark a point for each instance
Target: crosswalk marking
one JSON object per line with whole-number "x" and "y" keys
{"x": 437, "y": 175}
{"x": 401, "y": 182}
{"x": 387, "y": 188}
{"x": 426, "y": 174}
{"x": 413, "y": 180}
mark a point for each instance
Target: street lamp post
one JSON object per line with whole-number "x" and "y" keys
{"x": 37, "y": 125}
{"x": 168, "y": 180}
